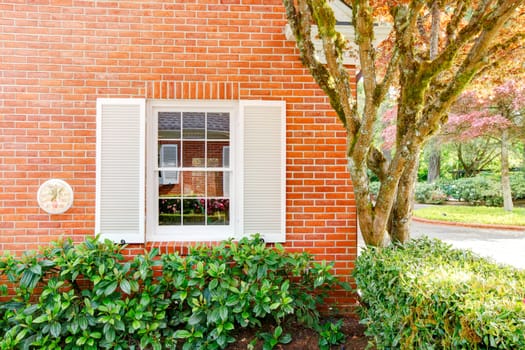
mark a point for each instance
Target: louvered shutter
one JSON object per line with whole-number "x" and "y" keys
{"x": 120, "y": 170}
{"x": 264, "y": 167}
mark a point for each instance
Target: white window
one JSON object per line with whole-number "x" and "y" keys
{"x": 210, "y": 170}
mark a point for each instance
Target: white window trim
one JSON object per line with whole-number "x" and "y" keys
{"x": 189, "y": 233}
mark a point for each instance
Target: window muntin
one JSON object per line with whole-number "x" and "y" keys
{"x": 200, "y": 196}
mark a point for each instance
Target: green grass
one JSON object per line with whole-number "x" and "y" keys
{"x": 473, "y": 215}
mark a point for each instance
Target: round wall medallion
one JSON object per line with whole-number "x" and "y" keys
{"x": 55, "y": 196}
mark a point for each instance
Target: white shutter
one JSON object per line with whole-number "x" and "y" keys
{"x": 169, "y": 158}
{"x": 120, "y": 170}
{"x": 263, "y": 168}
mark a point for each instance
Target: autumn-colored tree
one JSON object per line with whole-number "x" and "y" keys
{"x": 470, "y": 129}
{"x": 471, "y": 38}
{"x": 489, "y": 117}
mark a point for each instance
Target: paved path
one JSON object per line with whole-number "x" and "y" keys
{"x": 504, "y": 246}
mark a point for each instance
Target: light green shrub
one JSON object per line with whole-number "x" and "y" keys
{"x": 517, "y": 185}
{"x": 426, "y": 295}
{"x": 429, "y": 193}
{"x": 479, "y": 190}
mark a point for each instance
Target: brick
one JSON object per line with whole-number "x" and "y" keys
{"x": 58, "y": 59}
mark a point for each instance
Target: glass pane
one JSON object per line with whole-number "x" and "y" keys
{"x": 193, "y": 154}
{"x": 193, "y": 125}
{"x": 169, "y": 211}
{"x": 168, "y": 189}
{"x": 169, "y": 125}
{"x": 194, "y": 211}
{"x": 218, "y": 154}
{"x": 218, "y": 211}
{"x": 218, "y": 126}
{"x": 194, "y": 183}
{"x": 215, "y": 184}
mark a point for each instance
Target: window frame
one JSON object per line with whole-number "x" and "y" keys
{"x": 188, "y": 233}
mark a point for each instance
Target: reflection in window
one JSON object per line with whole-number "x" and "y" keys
{"x": 194, "y": 168}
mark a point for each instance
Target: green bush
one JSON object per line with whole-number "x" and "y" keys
{"x": 479, "y": 190}
{"x": 87, "y": 296}
{"x": 429, "y": 193}
{"x": 426, "y": 295}
{"x": 482, "y": 189}
{"x": 517, "y": 185}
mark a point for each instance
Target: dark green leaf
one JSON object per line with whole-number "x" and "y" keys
{"x": 125, "y": 286}
{"x": 55, "y": 329}
{"x": 111, "y": 288}
{"x": 182, "y": 334}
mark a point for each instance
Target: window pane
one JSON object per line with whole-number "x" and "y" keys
{"x": 169, "y": 211}
{"x": 168, "y": 189}
{"x": 193, "y": 154}
{"x": 215, "y": 184}
{"x": 193, "y": 125}
{"x": 169, "y": 125}
{"x": 194, "y": 183}
{"x": 218, "y": 126}
{"x": 217, "y": 157}
{"x": 189, "y": 140}
{"x": 194, "y": 211}
{"x": 218, "y": 211}
{"x": 169, "y": 154}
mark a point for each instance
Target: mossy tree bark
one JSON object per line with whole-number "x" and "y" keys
{"x": 427, "y": 88}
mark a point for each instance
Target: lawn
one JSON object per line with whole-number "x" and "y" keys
{"x": 470, "y": 214}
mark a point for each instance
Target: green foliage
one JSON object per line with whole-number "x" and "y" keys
{"x": 331, "y": 334}
{"x": 277, "y": 337}
{"x": 517, "y": 185}
{"x": 429, "y": 193}
{"x": 483, "y": 190}
{"x": 88, "y": 296}
{"x": 478, "y": 190}
{"x": 426, "y": 295}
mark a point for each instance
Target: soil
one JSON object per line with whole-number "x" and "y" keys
{"x": 305, "y": 338}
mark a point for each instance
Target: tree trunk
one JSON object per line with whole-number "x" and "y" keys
{"x": 365, "y": 208}
{"x": 434, "y": 162}
{"x": 401, "y": 216}
{"x": 505, "y": 176}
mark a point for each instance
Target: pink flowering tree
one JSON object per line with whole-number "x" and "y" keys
{"x": 483, "y": 127}
{"x": 470, "y": 129}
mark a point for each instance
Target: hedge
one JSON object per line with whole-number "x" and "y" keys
{"x": 426, "y": 295}
{"x": 88, "y": 296}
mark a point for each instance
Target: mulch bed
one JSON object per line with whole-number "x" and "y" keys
{"x": 307, "y": 339}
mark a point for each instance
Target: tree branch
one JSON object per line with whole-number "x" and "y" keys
{"x": 300, "y": 20}
{"x": 473, "y": 63}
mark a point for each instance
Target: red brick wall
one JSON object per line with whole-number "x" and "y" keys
{"x": 58, "y": 56}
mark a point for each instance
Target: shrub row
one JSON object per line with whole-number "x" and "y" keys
{"x": 87, "y": 296}
{"x": 478, "y": 190}
{"x": 426, "y": 295}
